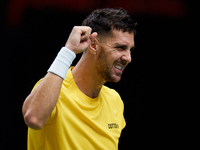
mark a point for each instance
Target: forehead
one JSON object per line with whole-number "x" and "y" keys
{"x": 120, "y": 37}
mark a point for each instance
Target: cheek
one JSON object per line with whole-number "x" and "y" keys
{"x": 108, "y": 56}
{"x": 108, "y": 60}
{"x": 113, "y": 57}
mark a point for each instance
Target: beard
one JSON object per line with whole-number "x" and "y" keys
{"x": 104, "y": 68}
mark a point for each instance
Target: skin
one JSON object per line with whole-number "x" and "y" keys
{"x": 114, "y": 50}
{"x": 96, "y": 66}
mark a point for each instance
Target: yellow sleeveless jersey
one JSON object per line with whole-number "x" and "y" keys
{"x": 79, "y": 122}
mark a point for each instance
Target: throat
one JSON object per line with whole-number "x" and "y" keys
{"x": 87, "y": 89}
{"x": 87, "y": 83}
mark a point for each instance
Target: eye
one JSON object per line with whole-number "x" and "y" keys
{"x": 121, "y": 48}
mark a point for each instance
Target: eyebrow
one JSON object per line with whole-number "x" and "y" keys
{"x": 123, "y": 45}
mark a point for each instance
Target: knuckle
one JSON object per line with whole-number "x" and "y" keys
{"x": 90, "y": 29}
{"x": 75, "y": 27}
{"x": 87, "y": 28}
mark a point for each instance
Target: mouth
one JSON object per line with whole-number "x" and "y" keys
{"x": 118, "y": 67}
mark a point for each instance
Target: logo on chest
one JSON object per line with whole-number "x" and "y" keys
{"x": 113, "y": 126}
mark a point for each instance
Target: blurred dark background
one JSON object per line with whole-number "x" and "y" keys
{"x": 156, "y": 87}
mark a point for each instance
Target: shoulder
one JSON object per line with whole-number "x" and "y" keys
{"x": 112, "y": 95}
{"x": 110, "y": 92}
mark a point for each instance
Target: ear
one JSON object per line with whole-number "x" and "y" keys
{"x": 93, "y": 47}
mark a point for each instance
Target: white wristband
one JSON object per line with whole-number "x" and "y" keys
{"x": 62, "y": 62}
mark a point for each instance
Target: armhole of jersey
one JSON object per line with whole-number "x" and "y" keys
{"x": 36, "y": 84}
{"x": 121, "y": 105}
{"x": 123, "y": 123}
{"x": 53, "y": 113}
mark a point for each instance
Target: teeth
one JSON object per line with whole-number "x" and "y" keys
{"x": 118, "y": 67}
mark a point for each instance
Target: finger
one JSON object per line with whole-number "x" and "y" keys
{"x": 84, "y": 37}
{"x": 86, "y": 32}
{"x": 88, "y": 41}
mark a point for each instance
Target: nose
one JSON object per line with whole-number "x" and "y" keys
{"x": 126, "y": 56}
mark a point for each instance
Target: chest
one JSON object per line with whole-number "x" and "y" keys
{"x": 95, "y": 124}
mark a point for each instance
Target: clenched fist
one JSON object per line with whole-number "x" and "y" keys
{"x": 80, "y": 38}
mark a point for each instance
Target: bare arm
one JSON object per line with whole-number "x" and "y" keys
{"x": 40, "y": 103}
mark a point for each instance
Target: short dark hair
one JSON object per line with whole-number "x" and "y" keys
{"x": 105, "y": 20}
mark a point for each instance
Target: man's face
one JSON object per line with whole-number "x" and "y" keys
{"x": 113, "y": 55}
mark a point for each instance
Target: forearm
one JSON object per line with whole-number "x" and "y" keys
{"x": 40, "y": 103}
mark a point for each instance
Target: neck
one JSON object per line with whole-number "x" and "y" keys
{"x": 86, "y": 77}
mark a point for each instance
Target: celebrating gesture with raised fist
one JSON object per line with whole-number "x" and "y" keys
{"x": 70, "y": 108}
{"x": 80, "y": 38}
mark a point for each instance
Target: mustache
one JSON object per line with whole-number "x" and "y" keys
{"x": 121, "y": 62}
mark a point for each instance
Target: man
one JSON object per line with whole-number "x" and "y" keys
{"x": 70, "y": 108}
